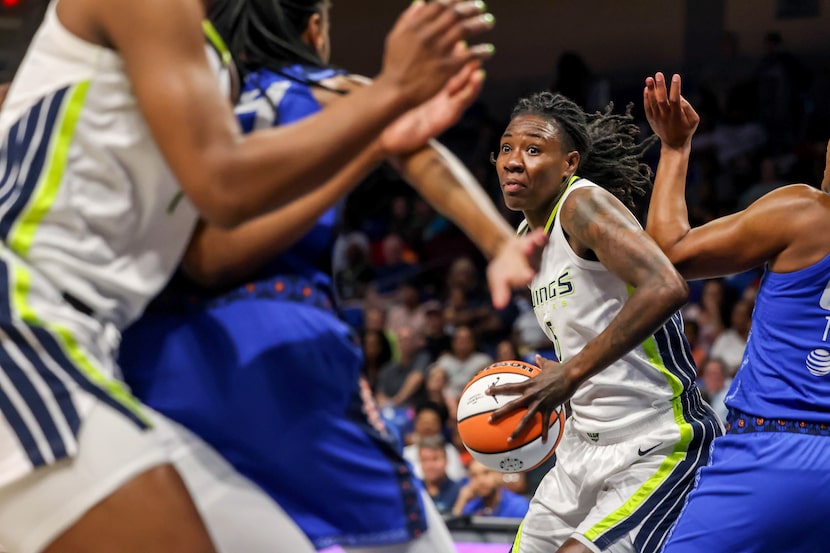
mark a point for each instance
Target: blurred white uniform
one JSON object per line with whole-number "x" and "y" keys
{"x": 93, "y": 224}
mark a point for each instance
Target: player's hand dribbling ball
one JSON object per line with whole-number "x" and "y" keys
{"x": 486, "y": 442}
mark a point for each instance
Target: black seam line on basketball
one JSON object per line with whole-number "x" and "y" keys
{"x": 504, "y": 450}
{"x": 483, "y": 412}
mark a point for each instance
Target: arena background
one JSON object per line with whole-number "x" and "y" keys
{"x": 620, "y": 43}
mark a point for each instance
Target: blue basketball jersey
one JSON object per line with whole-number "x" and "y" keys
{"x": 269, "y": 99}
{"x": 784, "y": 373}
{"x": 269, "y": 375}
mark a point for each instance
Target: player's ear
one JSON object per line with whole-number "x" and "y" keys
{"x": 571, "y": 164}
{"x": 314, "y": 33}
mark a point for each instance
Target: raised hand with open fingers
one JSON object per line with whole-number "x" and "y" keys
{"x": 415, "y": 127}
{"x": 515, "y": 266}
{"x": 427, "y": 46}
{"x": 671, "y": 117}
{"x": 542, "y": 394}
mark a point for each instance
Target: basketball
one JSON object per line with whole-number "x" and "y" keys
{"x": 487, "y": 442}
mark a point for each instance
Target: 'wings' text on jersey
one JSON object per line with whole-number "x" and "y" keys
{"x": 555, "y": 289}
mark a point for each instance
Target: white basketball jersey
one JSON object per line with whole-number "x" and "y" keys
{"x": 92, "y": 225}
{"x": 86, "y": 198}
{"x": 574, "y": 300}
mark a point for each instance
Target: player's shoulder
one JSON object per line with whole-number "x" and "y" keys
{"x": 793, "y": 198}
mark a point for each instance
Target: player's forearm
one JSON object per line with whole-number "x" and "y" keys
{"x": 668, "y": 216}
{"x": 218, "y": 256}
{"x": 270, "y": 168}
{"x": 443, "y": 180}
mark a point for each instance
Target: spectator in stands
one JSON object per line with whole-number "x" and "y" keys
{"x": 506, "y": 351}
{"x": 443, "y": 490}
{"x": 376, "y": 353}
{"x": 730, "y": 344}
{"x": 398, "y": 264}
{"x": 484, "y": 495}
{"x": 431, "y": 420}
{"x": 436, "y": 340}
{"x": 374, "y": 318}
{"x": 709, "y": 312}
{"x": 463, "y": 361}
{"x": 715, "y": 379}
{"x": 401, "y": 381}
{"x": 353, "y": 274}
{"x": 463, "y": 274}
{"x": 436, "y": 391}
{"x": 406, "y": 311}
{"x": 691, "y": 329}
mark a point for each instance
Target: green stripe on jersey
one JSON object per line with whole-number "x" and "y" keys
{"x": 555, "y": 210}
{"x": 22, "y": 232}
{"x": 216, "y": 41}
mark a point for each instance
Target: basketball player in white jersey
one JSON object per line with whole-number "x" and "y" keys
{"x": 115, "y": 137}
{"x": 607, "y": 298}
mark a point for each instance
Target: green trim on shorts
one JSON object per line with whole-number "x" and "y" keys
{"x": 69, "y": 345}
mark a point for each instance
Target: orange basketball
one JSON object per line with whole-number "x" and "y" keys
{"x": 487, "y": 442}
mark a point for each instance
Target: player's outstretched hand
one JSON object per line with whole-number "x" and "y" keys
{"x": 825, "y": 183}
{"x": 414, "y": 128}
{"x": 427, "y": 46}
{"x": 514, "y": 266}
{"x": 671, "y": 117}
{"x": 542, "y": 395}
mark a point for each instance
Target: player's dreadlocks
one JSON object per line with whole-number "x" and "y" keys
{"x": 606, "y": 142}
{"x": 266, "y": 33}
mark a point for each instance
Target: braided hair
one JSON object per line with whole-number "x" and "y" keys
{"x": 266, "y": 33}
{"x": 608, "y": 152}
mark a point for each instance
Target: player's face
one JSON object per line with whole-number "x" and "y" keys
{"x": 532, "y": 164}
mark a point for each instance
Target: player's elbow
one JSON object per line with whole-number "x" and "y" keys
{"x": 218, "y": 197}
{"x": 674, "y": 291}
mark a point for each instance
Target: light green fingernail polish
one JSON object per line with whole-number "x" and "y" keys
{"x": 480, "y": 5}
{"x": 488, "y": 18}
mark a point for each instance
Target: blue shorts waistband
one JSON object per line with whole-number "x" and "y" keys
{"x": 743, "y": 423}
{"x": 281, "y": 288}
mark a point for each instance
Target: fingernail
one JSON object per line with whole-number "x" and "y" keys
{"x": 480, "y": 5}
{"x": 483, "y": 74}
{"x": 488, "y": 19}
{"x": 675, "y": 78}
{"x": 490, "y": 48}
